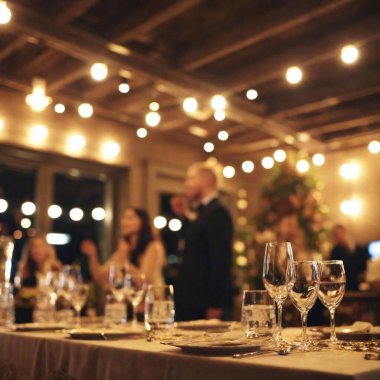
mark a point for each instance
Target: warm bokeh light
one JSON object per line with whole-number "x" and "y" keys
{"x": 208, "y": 147}
{"x": 242, "y": 220}
{"x": 25, "y": 223}
{"x": 5, "y": 13}
{"x": 289, "y": 139}
{"x": 352, "y": 207}
{"x": 303, "y": 136}
{"x": 241, "y": 261}
{"x": 198, "y": 131}
{"x": 318, "y": 159}
{"x": 294, "y": 75}
{"x": 38, "y": 100}
{"x": 374, "y": 147}
{"x": 190, "y": 104}
{"x": 279, "y": 155}
{"x": 76, "y": 142}
{"x": 223, "y": 135}
{"x": 175, "y": 225}
{"x": 267, "y": 162}
{"x": 85, "y": 110}
{"x": 38, "y": 133}
{"x": 242, "y": 193}
{"x": 302, "y": 166}
{"x": 350, "y": 171}
{"x": 349, "y": 54}
{"x": 252, "y": 94}
{"x": 17, "y": 234}
{"x": 154, "y": 106}
{"x": 228, "y": 171}
{"x": 110, "y": 149}
{"x": 219, "y": 115}
{"x": 124, "y": 88}
{"x": 218, "y": 102}
{"x": 54, "y": 211}
{"x": 98, "y": 214}
{"x": 76, "y": 214}
{"x": 160, "y": 222}
{"x": 1, "y": 124}
{"x": 152, "y": 119}
{"x": 59, "y": 108}
{"x": 142, "y": 133}
{"x": 239, "y": 246}
{"x": 248, "y": 166}
{"x": 99, "y": 71}
{"x": 3, "y": 205}
{"x": 242, "y": 204}
{"x": 57, "y": 238}
{"x": 28, "y": 208}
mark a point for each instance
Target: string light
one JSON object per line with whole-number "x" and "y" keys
{"x": 38, "y": 100}
{"x": 223, "y": 135}
{"x": 59, "y": 108}
{"x": 352, "y": 207}
{"x": 252, "y": 94}
{"x": 219, "y": 115}
{"x": 124, "y": 88}
{"x": 76, "y": 142}
{"x": 76, "y": 214}
{"x": 349, "y": 54}
{"x": 110, "y": 149}
{"x": 350, "y": 171}
{"x": 85, "y": 110}
{"x": 242, "y": 204}
{"x": 208, "y": 147}
{"x": 3, "y": 205}
{"x": 190, "y": 105}
{"x": 302, "y": 166}
{"x": 28, "y": 208}
{"x": 279, "y": 155}
{"x": 142, "y": 133}
{"x": 294, "y": 75}
{"x": 26, "y": 223}
{"x": 218, "y": 102}
{"x": 54, "y": 211}
{"x": 154, "y": 106}
{"x": 38, "y": 134}
{"x": 152, "y": 119}
{"x": 248, "y": 166}
{"x": 1, "y": 124}
{"x": 98, "y": 214}
{"x": 267, "y": 162}
{"x": 5, "y": 13}
{"x": 228, "y": 171}
{"x": 318, "y": 159}
{"x": 374, "y": 147}
{"x": 175, "y": 225}
{"x": 99, "y": 71}
{"x": 160, "y": 222}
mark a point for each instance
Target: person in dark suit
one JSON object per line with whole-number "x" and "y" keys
{"x": 204, "y": 286}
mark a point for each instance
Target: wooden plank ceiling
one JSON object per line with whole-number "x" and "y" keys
{"x": 171, "y": 49}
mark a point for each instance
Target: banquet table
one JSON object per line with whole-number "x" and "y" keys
{"x": 53, "y": 356}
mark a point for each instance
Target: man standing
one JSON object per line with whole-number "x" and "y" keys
{"x": 204, "y": 288}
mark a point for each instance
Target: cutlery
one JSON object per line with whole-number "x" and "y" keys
{"x": 281, "y": 351}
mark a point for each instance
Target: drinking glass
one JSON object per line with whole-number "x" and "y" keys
{"x": 69, "y": 276}
{"x": 331, "y": 289}
{"x": 79, "y": 296}
{"x": 277, "y": 256}
{"x": 135, "y": 288}
{"x": 159, "y": 308}
{"x": 258, "y": 315}
{"x": 303, "y": 285}
{"x": 117, "y": 281}
{"x": 6, "y": 253}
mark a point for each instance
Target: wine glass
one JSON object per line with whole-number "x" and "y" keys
{"x": 117, "y": 281}
{"x": 276, "y": 259}
{"x": 331, "y": 289}
{"x": 68, "y": 277}
{"x": 79, "y": 296}
{"x": 303, "y": 285}
{"x": 135, "y": 288}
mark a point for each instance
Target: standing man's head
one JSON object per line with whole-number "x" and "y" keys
{"x": 201, "y": 180}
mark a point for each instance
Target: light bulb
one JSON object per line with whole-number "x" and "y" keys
{"x": 154, "y": 106}
{"x": 152, "y": 119}
{"x": 248, "y": 166}
{"x": 98, "y": 214}
{"x": 228, "y": 171}
{"x": 142, "y": 133}
{"x": 110, "y": 149}
{"x": 160, "y": 222}
{"x": 294, "y": 75}
{"x": 5, "y": 13}
{"x": 349, "y": 54}
{"x": 279, "y": 155}
{"x": 219, "y": 115}
{"x": 76, "y": 214}
{"x": 252, "y": 94}
{"x": 75, "y": 143}
{"x": 267, "y": 162}
{"x": 85, "y": 110}
{"x": 218, "y": 102}
{"x": 124, "y": 88}
{"x": 190, "y": 105}
{"x": 59, "y": 108}
{"x": 28, "y": 208}
{"x": 38, "y": 133}
{"x": 302, "y": 166}
{"x": 99, "y": 71}
{"x": 318, "y": 159}
{"x": 223, "y": 135}
{"x": 208, "y": 147}
{"x": 54, "y": 211}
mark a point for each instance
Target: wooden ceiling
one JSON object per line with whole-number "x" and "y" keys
{"x": 171, "y": 49}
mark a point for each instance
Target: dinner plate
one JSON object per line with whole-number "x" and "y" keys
{"x": 104, "y": 334}
{"x": 204, "y": 326}
{"x": 358, "y": 331}
{"x": 25, "y": 327}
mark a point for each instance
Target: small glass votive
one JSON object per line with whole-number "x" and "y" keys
{"x": 258, "y": 316}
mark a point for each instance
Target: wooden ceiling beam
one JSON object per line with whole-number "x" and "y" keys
{"x": 88, "y": 47}
{"x": 271, "y": 24}
{"x": 252, "y": 147}
{"x": 352, "y": 141}
{"x": 16, "y": 44}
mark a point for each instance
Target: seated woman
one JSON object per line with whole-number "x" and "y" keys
{"x": 137, "y": 248}
{"x": 37, "y": 258}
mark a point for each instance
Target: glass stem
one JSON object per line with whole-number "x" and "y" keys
{"x": 134, "y": 320}
{"x": 77, "y": 315}
{"x": 333, "y": 338}
{"x": 304, "y": 325}
{"x": 279, "y": 321}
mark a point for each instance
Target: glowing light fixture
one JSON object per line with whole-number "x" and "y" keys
{"x": 160, "y": 222}
{"x": 318, "y": 159}
{"x": 142, "y": 133}
{"x": 38, "y": 100}
{"x": 252, "y": 94}
{"x": 54, "y": 211}
{"x": 59, "y": 108}
{"x": 228, "y": 171}
{"x": 294, "y": 75}
{"x": 152, "y": 119}
{"x": 223, "y": 135}
{"x": 239, "y": 246}
{"x": 85, "y": 110}
{"x": 3, "y": 205}
{"x": 76, "y": 214}
{"x": 28, "y": 208}
{"x": 99, "y": 71}
{"x": 218, "y": 102}
{"x": 279, "y": 155}
{"x": 124, "y": 88}
{"x": 350, "y": 171}
{"x": 98, "y": 214}
{"x": 208, "y": 147}
{"x": 349, "y": 54}
{"x": 25, "y": 223}
{"x": 242, "y": 204}
{"x": 219, "y": 115}
{"x": 302, "y": 166}
{"x": 57, "y": 238}
{"x": 5, "y": 13}
{"x": 352, "y": 207}
{"x": 38, "y": 133}
{"x": 248, "y": 166}
{"x": 190, "y": 104}
{"x": 154, "y": 106}
{"x": 1, "y": 124}
{"x": 76, "y": 143}
{"x": 267, "y": 162}
{"x": 374, "y": 147}
{"x": 175, "y": 225}
{"x": 110, "y": 149}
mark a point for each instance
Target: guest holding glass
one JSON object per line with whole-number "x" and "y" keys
{"x": 204, "y": 286}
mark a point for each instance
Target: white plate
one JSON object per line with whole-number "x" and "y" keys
{"x": 104, "y": 334}
{"x": 203, "y": 325}
{"x": 25, "y": 327}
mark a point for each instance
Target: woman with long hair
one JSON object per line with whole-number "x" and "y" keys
{"x": 138, "y": 249}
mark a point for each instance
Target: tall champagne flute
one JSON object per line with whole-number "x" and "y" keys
{"x": 135, "y": 286}
{"x": 276, "y": 259}
{"x": 303, "y": 279}
{"x": 331, "y": 289}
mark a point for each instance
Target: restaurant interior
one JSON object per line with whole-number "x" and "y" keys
{"x": 105, "y": 104}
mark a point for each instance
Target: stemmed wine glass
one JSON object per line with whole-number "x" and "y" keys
{"x": 135, "y": 286}
{"x": 276, "y": 259}
{"x": 117, "y": 281}
{"x": 303, "y": 277}
{"x": 79, "y": 296}
{"x": 331, "y": 289}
